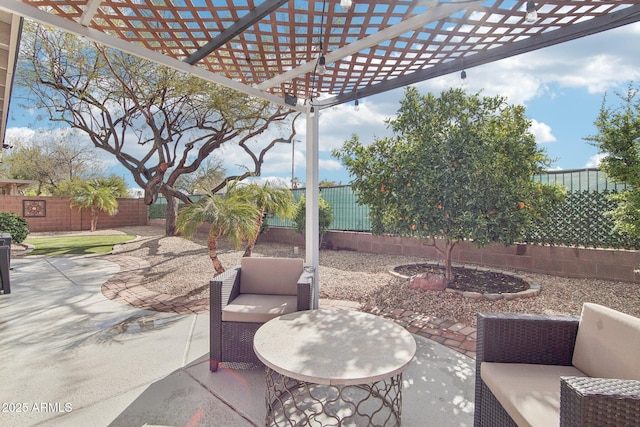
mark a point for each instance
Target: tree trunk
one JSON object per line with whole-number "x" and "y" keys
{"x": 94, "y": 218}
{"x": 171, "y": 215}
{"x": 448, "y": 273}
{"x": 212, "y": 245}
{"x": 252, "y": 243}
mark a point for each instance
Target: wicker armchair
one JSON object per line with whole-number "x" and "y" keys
{"x": 245, "y": 297}
{"x": 550, "y": 340}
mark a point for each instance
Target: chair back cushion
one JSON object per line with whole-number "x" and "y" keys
{"x": 270, "y": 276}
{"x": 607, "y": 344}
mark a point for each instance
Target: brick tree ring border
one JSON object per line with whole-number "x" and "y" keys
{"x": 534, "y": 287}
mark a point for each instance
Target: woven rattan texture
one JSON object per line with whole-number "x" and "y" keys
{"x": 549, "y": 340}
{"x": 599, "y": 402}
{"x": 518, "y": 338}
{"x": 233, "y": 341}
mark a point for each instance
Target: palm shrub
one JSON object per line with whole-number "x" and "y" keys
{"x": 98, "y": 195}
{"x": 269, "y": 199}
{"x": 230, "y": 214}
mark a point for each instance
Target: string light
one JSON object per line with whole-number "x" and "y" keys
{"x": 321, "y": 65}
{"x": 345, "y": 4}
{"x": 532, "y": 14}
{"x": 321, "y": 69}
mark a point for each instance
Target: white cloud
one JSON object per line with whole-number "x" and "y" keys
{"x": 18, "y": 136}
{"x": 338, "y": 124}
{"x": 274, "y": 180}
{"x": 597, "y": 63}
{"x": 23, "y": 136}
{"x": 329, "y": 164}
{"x": 594, "y": 161}
{"x": 542, "y": 132}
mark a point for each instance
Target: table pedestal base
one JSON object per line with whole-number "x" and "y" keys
{"x": 291, "y": 402}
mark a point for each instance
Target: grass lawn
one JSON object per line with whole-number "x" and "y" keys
{"x": 77, "y": 245}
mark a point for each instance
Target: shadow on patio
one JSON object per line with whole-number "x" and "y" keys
{"x": 72, "y": 357}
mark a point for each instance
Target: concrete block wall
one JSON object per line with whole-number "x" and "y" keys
{"x": 59, "y": 216}
{"x": 607, "y": 264}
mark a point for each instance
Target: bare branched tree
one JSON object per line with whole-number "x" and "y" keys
{"x": 160, "y": 124}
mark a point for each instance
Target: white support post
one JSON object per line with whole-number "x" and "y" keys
{"x": 312, "y": 218}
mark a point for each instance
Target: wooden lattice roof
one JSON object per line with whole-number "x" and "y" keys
{"x": 272, "y": 47}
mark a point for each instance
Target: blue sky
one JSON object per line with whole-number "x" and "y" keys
{"x": 562, "y": 88}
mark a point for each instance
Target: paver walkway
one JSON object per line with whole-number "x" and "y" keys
{"x": 126, "y": 287}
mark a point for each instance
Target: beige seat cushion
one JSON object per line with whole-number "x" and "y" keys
{"x": 258, "y": 308}
{"x": 270, "y": 276}
{"x": 608, "y": 343}
{"x": 529, "y": 393}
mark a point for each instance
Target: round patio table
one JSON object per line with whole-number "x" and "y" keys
{"x": 333, "y": 368}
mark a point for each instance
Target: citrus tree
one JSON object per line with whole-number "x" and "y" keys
{"x": 458, "y": 167}
{"x": 98, "y": 195}
{"x": 229, "y": 214}
{"x": 619, "y": 139}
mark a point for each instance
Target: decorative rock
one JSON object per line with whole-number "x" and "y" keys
{"x": 529, "y": 293}
{"x": 471, "y": 295}
{"x": 428, "y": 282}
{"x": 436, "y": 282}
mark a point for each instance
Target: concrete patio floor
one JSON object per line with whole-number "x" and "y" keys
{"x": 71, "y": 357}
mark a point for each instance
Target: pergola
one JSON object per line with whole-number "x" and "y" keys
{"x": 278, "y": 49}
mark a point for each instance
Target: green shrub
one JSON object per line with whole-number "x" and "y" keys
{"x": 301, "y": 215}
{"x": 14, "y": 225}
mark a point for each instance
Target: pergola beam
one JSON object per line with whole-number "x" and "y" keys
{"x": 561, "y": 35}
{"x": 9, "y": 61}
{"x": 442, "y": 10}
{"x": 234, "y": 30}
{"x": 89, "y": 12}
{"x": 22, "y": 9}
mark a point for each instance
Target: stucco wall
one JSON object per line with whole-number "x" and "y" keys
{"x": 55, "y": 214}
{"x": 555, "y": 260}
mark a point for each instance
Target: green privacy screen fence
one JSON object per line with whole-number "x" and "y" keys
{"x": 580, "y": 221}
{"x": 347, "y": 213}
{"x": 577, "y": 180}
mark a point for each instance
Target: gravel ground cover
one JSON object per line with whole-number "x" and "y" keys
{"x": 182, "y": 267}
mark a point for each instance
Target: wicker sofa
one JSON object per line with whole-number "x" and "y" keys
{"x": 543, "y": 370}
{"x": 246, "y": 296}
